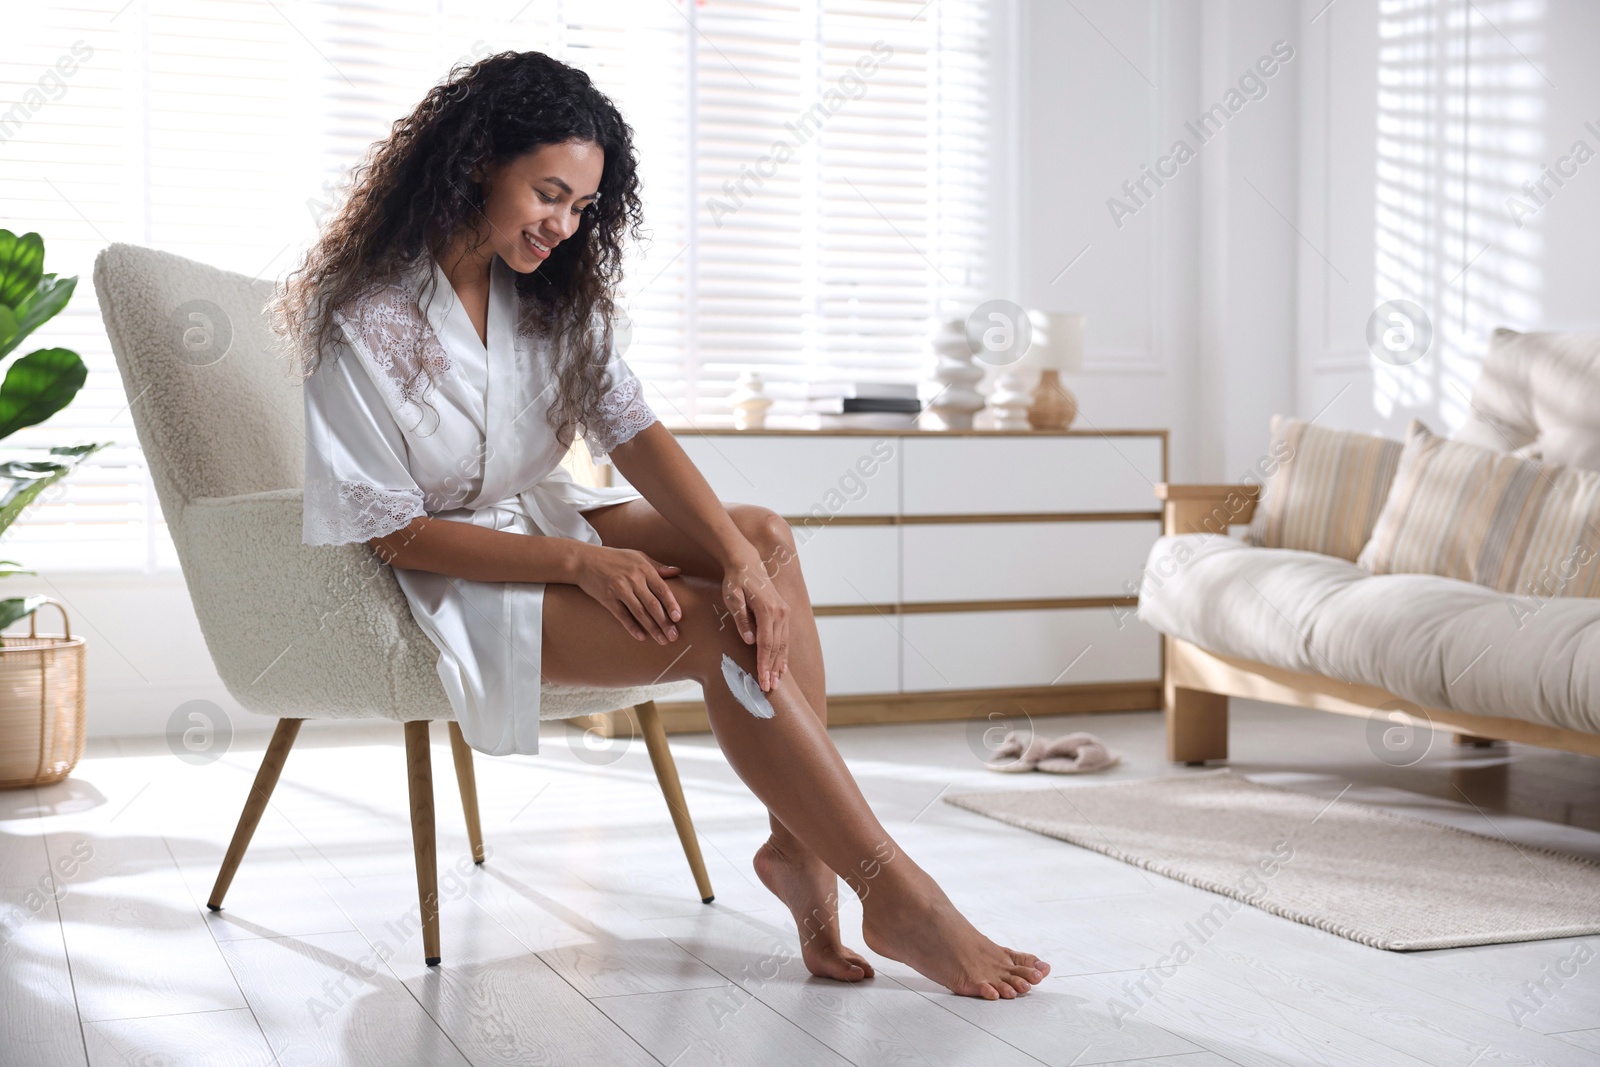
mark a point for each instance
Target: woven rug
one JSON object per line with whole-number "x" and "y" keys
{"x": 1381, "y": 879}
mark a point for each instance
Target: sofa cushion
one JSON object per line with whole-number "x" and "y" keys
{"x": 1539, "y": 392}
{"x": 1517, "y": 525}
{"x": 1228, "y": 597}
{"x": 1327, "y": 490}
{"x": 1436, "y": 641}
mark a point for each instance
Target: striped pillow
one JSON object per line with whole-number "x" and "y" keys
{"x": 1459, "y": 510}
{"x": 1328, "y": 490}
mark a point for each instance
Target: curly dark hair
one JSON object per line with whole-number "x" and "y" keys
{"x": 415, "y": 190}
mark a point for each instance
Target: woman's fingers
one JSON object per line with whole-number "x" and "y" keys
{"x": 625, "y": 617}
{"x": 650, "y": 597}
{"x": 633, "y": 587}
{"x": 663, "y": 569}
{"x": 647, "y": 609}
{"x": 775, "y": 671}
{"x": 663, "y": 593}
{"x": 739, "y": 608}
{"x": 764, "y": 648}
{"x": 780, "y": 640}
{"x": 772, "y": 637}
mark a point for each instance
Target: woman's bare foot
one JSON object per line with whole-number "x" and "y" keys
{"x": 808, "y": 889}
{"x": 925, "y": 931}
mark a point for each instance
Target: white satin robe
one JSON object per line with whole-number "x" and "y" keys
{"x": 376, "y": 459}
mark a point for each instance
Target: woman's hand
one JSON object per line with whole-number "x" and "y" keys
{"x": 633, "y": 587}
{"x": 760, "y": 614}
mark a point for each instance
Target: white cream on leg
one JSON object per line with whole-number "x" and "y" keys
{"x": 745, "y": 689}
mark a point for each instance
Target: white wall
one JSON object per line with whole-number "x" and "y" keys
{"x": 1094, "y": 109}
{"x": 1191, "y": 297}
{"x": 1244, "y": 288}
{"x": 1530, "y": 84}
{"x": 1247, "y": 245}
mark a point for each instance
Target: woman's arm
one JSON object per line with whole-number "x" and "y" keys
{"x": 630, "y": 584}
{"x": 477, "y": 553}
{"x": 656, "y": 465}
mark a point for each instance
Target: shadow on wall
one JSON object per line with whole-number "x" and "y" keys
{"x": 1461, "y": 103}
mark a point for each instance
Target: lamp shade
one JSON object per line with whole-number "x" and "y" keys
{"x": 1057, "y": 340}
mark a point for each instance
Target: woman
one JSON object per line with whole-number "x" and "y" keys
{"x": 454, "y": 321}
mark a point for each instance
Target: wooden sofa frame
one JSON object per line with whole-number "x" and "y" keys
{"x": 1196, "y": 684}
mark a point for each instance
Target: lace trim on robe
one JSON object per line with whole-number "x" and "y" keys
{"x": 354, "y": 511}
{"x": 398, "y": 339}
{"x": 623, "y": 413}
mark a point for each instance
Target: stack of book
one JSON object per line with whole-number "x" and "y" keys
{"x": 864, "y": 405}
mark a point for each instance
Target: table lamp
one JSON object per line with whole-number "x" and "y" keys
{"x": 1057, "y": 347}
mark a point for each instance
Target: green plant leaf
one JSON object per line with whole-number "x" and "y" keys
{"x": 13, "y": 608}
{"x": 21, "y": 266}
{"x": 26, "y": 481}
{"x": 21, "y": 481}
{"x": 37, "y": 386}
{"x": 42, "y": 305}
{"x": 80, "y": 451}
{"x": 10, "y": 330}
{"x": 25, "y": 472}
{"x": 9, "y": 567}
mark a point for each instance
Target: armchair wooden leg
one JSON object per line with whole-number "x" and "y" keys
{"x": 655, "y": 740}
{"x": 254, "y": 805}
{"x": 419, "y": 776}
{"x": 468, "y": 783}
{"x": 1197, "y": 725}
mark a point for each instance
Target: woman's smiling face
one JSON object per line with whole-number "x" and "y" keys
{"x": 535, "y": 202}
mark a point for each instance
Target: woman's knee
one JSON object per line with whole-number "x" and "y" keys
{"x": 771, "y": 536}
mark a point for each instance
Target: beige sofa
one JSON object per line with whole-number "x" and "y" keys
{"x": 1321, "y": 632}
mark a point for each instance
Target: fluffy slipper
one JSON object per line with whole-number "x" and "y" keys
{"x": 1076, "y": 754}
{"x": 1017, "y": 753}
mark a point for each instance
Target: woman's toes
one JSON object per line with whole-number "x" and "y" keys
{"x": 1018, "y": 983}
{"x": 1028, "y": 965}
{"x": 840, "y": 964}
{"x": 843, "y": 970}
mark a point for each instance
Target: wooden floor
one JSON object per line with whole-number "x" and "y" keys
{"x": 582, "y": 940}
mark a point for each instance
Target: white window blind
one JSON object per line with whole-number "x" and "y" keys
{"x": 816, "y": 181}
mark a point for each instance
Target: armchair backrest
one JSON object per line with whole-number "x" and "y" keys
{"x": 314, "y": 632}
{"x": 217, "y": 408}
{"x": 1540, "y": 390}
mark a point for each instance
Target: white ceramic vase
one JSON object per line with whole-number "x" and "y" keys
{"x": 750, "y": 402}
{"x": 956, "y": 375}
{"x": 1010, "y": 399}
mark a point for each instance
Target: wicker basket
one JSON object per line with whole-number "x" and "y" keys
{"x": 41, "y": 705}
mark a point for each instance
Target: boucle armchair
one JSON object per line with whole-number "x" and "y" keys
{"x": 295, "y": 632}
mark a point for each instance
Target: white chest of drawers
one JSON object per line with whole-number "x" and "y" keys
{"x": 960, "y": 574}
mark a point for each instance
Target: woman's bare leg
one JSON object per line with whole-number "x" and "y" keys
{"x": 790, "y": 764}
{"x": 795, "y": 875}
